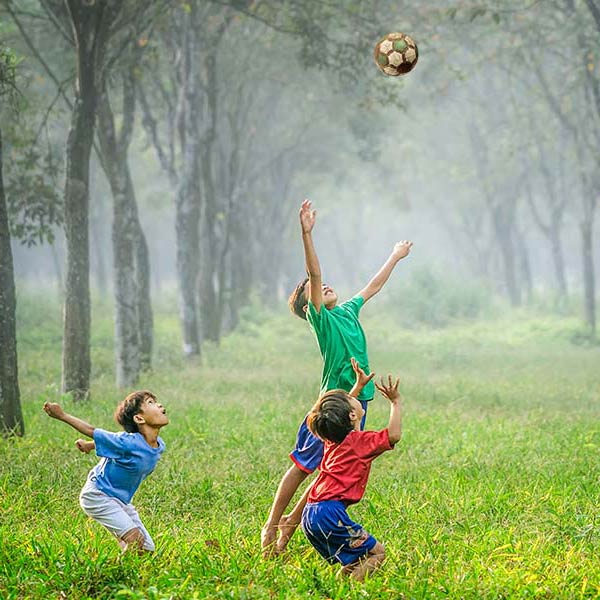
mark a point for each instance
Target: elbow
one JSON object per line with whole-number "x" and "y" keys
{"x": 395, "y": 437}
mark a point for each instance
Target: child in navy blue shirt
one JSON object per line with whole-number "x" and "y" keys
{"x": 343, "y": 475}
{"x": 127, "y": 458}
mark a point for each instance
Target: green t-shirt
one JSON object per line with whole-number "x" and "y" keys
{"x": 341, "y": 337}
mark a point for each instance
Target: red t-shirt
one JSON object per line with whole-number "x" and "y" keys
{"x": 345, "y": 467}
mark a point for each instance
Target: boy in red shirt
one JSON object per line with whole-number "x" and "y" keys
{"x": 344, "y": 472}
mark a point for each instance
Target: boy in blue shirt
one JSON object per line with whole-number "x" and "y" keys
{"x": 127, "y": 458}
{"x": 340, "y": 338}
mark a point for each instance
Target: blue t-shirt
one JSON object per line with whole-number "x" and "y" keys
{"x": 127, "y": 459}
{"x": 341, "y": 337}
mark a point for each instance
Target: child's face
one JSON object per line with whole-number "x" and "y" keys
{"x": 357, "y": 412}
{"x": 153, "y": 413}
{"x": 329, "y": 296}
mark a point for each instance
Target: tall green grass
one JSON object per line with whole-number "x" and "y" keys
{"x": 492, "y": 492}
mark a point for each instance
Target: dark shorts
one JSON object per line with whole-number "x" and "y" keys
{"x": 308, "y": 452}
{"x": 335, "y": 536}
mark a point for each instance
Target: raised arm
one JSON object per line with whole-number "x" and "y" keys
{"x": 54, "y": 410}
{"x": 313, "y": 268}
{"x": 401, "y": 249}
{"x": 390, "y": 391}
{"x": 361, "y": 379}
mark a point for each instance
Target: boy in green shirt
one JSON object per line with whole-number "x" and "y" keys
{"x": 340, "y": 338}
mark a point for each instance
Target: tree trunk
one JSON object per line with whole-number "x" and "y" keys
{"x": 209, "y": 310}
{"x": 187, "y": 223}
{"x": 11, "y": 417}
{"x": 91, "y": 25}
{"x": 187, "y": 205}
{"x": 524, "y": 266}
{"x": 133, "y": 311}
{"x": 504, "y": 236}
{"x": 144, "y": 300}
{"x": 558, "y": 262}
{"x": 589, "y": 283}
{"x": 76, "y": 331}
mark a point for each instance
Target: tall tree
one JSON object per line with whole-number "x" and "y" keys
{"x": 90, "y": 26}
{"x": 11, "y": 417}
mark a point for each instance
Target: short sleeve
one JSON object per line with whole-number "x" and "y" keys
{"x": 110, "y": 444}
{"x": 353, "y": 305}
{"x": 372, "y": 443}
{"x": 313, "y": 317}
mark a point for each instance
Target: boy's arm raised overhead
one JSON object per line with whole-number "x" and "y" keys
{"x": 313, "y": 268}
{"x": 361, "y": 379}
{"x": 390, "y": 391}
{"x": 401, "y": 249}
{"x": 55, "y": 410}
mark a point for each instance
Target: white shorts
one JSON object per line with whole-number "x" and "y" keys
{"x": 115, "y": 515}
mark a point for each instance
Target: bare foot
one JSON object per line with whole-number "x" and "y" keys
{"x": 286, "y": 530}
{"x": 268, "y": 539}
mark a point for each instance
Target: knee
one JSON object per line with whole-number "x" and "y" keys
{"x": 378, "y": 553}
{"x": 134, "y": 538}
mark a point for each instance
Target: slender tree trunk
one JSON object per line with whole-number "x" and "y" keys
{"x": 187, "y": 223}
{"x": 144, "y": 301}
{"x": 241, "y": 264}
{"x": 187, "y": 205}
{"x": 76, "y": 332}
{"x": 11, "y": 417}
{"x": 91, "y": 25}
{"x": 524, "y": 266}
{"x": 589, "y": 283}
{"x": 504, "y": 237}
{"x": 209, "y": 309}
{"x": 133, "y": 312}
{"x": 558, "y": 261}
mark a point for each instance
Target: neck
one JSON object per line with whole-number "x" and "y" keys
{"x": 150, "y": 434}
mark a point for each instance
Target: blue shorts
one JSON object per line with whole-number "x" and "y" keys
{"x": 308, "y": 452}
{"x": 335, "y": 536}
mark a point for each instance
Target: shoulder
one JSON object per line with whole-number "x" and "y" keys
{"x": 354, "y": 304}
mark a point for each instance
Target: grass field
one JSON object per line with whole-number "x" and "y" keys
{"x": 493, "y": 491}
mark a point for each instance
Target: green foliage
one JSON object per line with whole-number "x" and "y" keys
{"x": 35, "y": 205}
{"x": 8, "y": 72}
{"x": 492, "y": 493}
{"x": 431, "y": 298}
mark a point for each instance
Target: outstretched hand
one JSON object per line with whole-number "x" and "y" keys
{"x": 401, "y": 249}
{"x": 389, "y": 390}
{"x": 361, "y": 377}
{"x": 307, "y": 216}
{"x": 54, "y": 410}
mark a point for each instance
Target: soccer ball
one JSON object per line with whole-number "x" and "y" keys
{"x": 396, "y": 54}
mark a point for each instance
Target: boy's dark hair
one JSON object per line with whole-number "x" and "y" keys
{"x": 131, "y": 406}
{"x": 329, "y": 418}
{"x": 298, "y": 300}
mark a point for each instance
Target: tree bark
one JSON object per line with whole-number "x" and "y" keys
{"x": 124, "y": 237}
{"x": 589, "y": 283}
{"x": 133, "y": 309}
{"x": 11, "y": 417}
{"x": 90, "y": 24}
{"x": 76, "y": 331}
{"x": 144, "y": 300}
{"x": 187, "y": 206}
